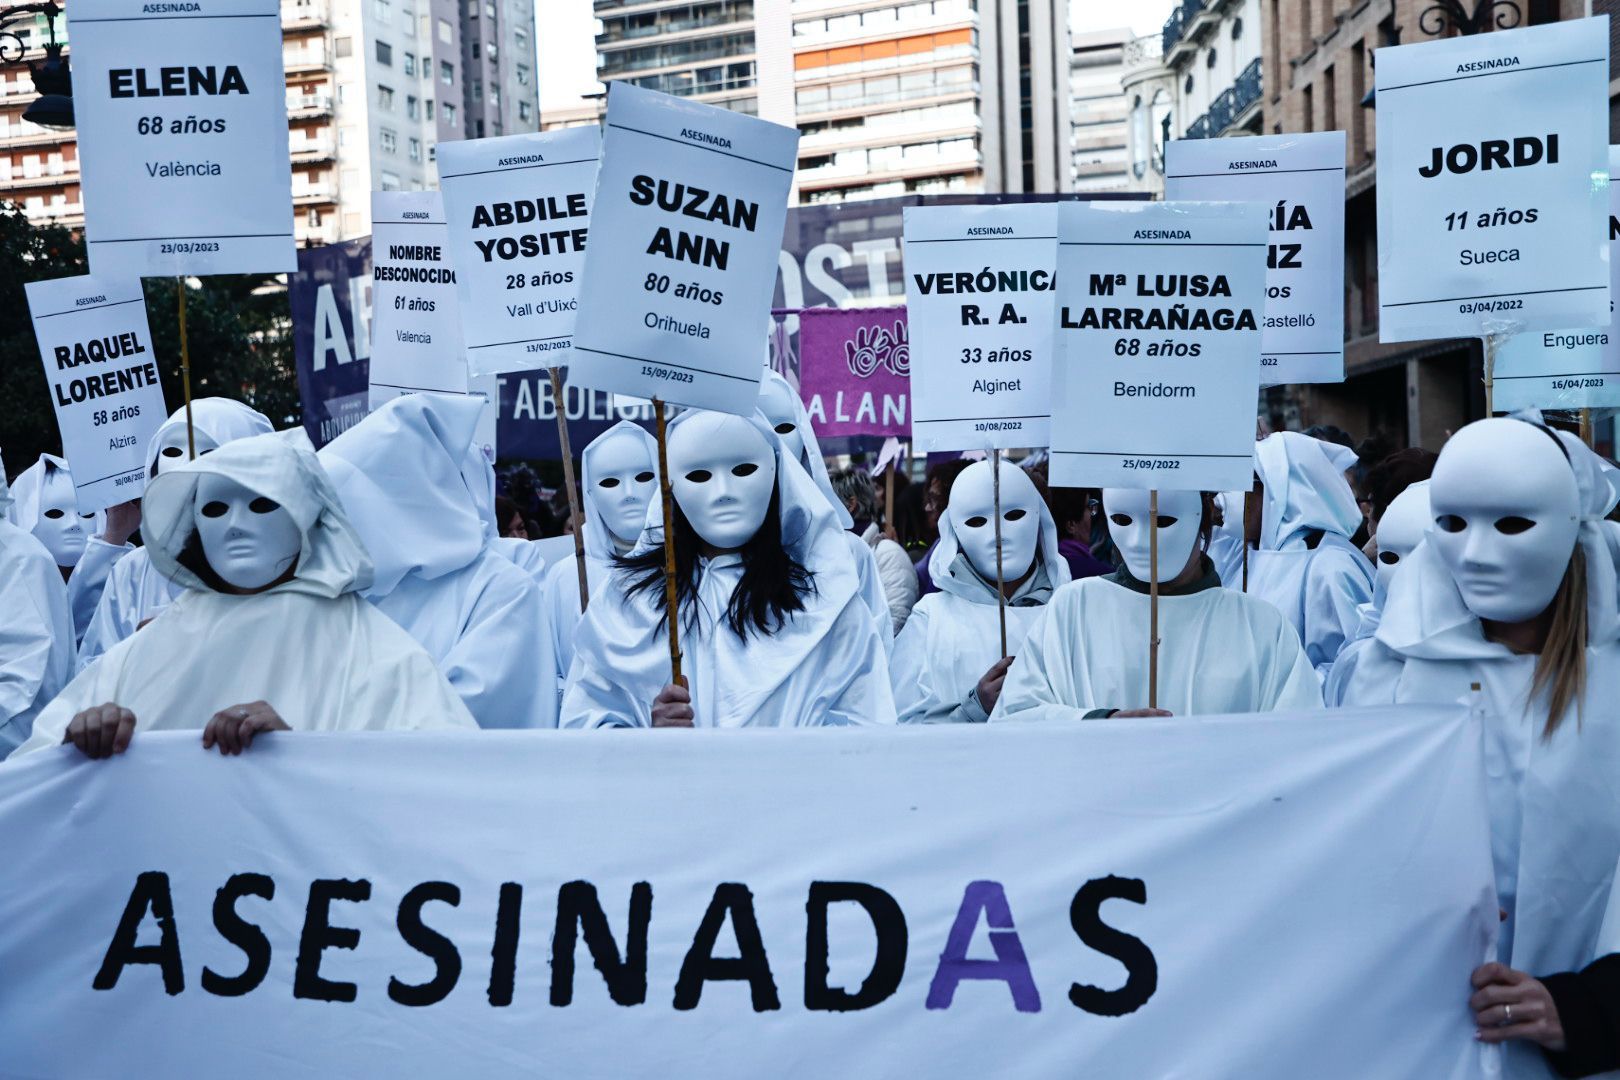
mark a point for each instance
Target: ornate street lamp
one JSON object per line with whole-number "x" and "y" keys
{"x": 53, "y": 80}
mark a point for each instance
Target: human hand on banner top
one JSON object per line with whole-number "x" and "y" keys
{"x": 1509, "y": 1004}
{"x": 232, "y": 729}
{"x": 1140, "y": 714}
{"x": 672, "y": 707}
{"x": 101, "y": 731}
{"x": 122, "y": 521}
{"x": 988, "y": 691}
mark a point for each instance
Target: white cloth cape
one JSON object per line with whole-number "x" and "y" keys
{"x": 36, "y": 633}
{"x": 399, "y": 474}
{"x": 323, "y": 658}
{"x": 24, "y": 513}
{"x": 824, "y": 666}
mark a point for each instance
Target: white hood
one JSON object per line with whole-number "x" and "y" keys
{"x": 223, "y": 420}
{"x": 813, "y": 462}
{"x": 598, "y": 543}
{"x": 958, "y": 578}
{"x": 1305, "y": 490}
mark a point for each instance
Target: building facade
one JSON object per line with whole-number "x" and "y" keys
{"x": 1099, "y": 112}
{"x": 1213, "y": 48}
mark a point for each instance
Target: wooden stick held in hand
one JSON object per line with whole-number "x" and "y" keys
{"x": 572, "y": 484}
{"x": 671, "y": 599}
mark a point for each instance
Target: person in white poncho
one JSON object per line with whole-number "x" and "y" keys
{"x": 1220, "y": 652}
{"x": 270, "y": 633}
{"x": 773, "y": 629}
{"x": 36, "y": 629}
{"x": 947, "y": 662}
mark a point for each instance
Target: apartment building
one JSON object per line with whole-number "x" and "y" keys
{"x": 1099, "y": 112}
{"x": 1213, "y": 49}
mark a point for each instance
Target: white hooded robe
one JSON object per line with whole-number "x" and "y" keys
{"x": 36, "y": 630}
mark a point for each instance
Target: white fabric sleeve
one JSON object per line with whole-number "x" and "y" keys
{"x": 1040, "y": 684}
{"x": 89, "y": 579}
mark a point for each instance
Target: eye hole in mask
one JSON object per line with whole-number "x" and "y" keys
{"x": 214, "y": 509}
{"x": 1122, "y": 520}
{"x": 1388, "y": 558}
{"x": 173, "y": 451}
{"x": 976, "y": 522}
{"x": 1451, "y": 523}
{"x": 747, "y": 468}
{"x": 608, "y": 482}
{"x": 1014, "y": 515}
{"x": 785, "y": 429}
{"x": 53, "y": 514}
{"x": 1165, "y": 521}
{"x": 643, "y": 477}
{"x": 699, "y": 476}
{"x": 262, "y": 505}
{"x": 1513, "y": 526}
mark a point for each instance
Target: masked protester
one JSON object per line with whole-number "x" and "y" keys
{"x": 44, "y": 504}
{"x": 117, "y": 580}
{"x": 946, "y": 665}
{"x": 1514, "y": 589}
{"x": 400, "y": 474}
{"x": 1220, "y": 651}
{"x": 619, "y": 487}
{"x": 784, "y": 410}
{"x": 36, "y": 629}
{"x": 1305, "y": 564}
{"x": 773, "y": 628}
{"x": 479, "y": 474}
{"x": 1400, "y": 530}
{"x": 270, "y": 633}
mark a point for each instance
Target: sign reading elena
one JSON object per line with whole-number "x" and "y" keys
{"x": 519, "y": 212}
{"x": 1158, "y": 344}
{"x": 1300, "y": 178}
{"x": 415, "y": 327}
{"x": 182, "y": 118}
{"x": 690, "y": 204}
{"x": 979, "y": 289}
{"x": 103, "y": 379}
{"x": 1492, "y": 178}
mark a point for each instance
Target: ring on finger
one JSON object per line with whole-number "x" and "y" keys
{"x": 1507, "y": 1013}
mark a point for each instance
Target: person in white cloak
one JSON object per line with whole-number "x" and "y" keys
{"x": 773, "y": 629}
{"x": 1220, "y": 651}
{"x": 1515, "y": 590}
{"x": 1400, "y": 531}
{"x": 947, "y": 665}
{"x": 1302, "y": 522}
{"x": 1226, "y": 542}
{"x": 36, "y": 629}
{"x": 784, "y": 410}
{"x": 115, "y": 578}
{"x": 619, "y": 487}
{"x": 43, "y": 502}
{"x": 399, "y": 474}
{"x": 479, "y": 474}
{"x": 270, "y": 633}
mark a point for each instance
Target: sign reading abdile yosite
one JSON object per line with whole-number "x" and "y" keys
{"x": 182, "y": 119}
{"x": 685, "y": 231}
{"x": 1492, "y": 183}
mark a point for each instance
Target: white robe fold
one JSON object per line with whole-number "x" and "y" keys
{"x": 36, "y": 633}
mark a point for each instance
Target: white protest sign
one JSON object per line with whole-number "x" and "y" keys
{"x": 103, "y": 378}
{"x": 181, "y": 112}
{"x": 416, "y": 324}
{"x": 686, "y": 229}
{"x": 1565, "y": 369}
{"x": 1158, "y": 344}
{"x": 1492, "y": 175}
{"x": 1300, "y": 179}
{"x": 519, "y": 212}
{"x": 1074, "y": 902}
{"x": 979, "y": 293}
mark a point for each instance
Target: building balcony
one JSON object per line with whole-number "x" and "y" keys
{"x": 1198, "y": 129}
{"x": 49, "y": 177}
{"x": 306, "y": 62}
{"x": 303, "y": 15}
{"x": 1246, "y": 92}
{"x": 25, "y": 134}
{"x": 314, "y": 195}
{"x": 311, "y": 151}
{"x": 308, "y": 106}
{"x": 1179, "y": 24}
{"x": 1220, "y": 112}
{"x": 68, "y": 214}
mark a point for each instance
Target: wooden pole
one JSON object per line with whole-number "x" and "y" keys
{"x": 1153, "y": 599}
{"x": 1490, "y": 374}
{"x": 1586, "y": 427}
{"x": 888, "y": 496}
{"x": 185, "y": 370}
{"x": 671, "y": 597}
{"x": 572, "y": 484}
{"x": 1248, "y": 498}
{"x": 1001, "y": 595}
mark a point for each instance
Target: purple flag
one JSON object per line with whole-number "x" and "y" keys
{"x": 855, "y": 371}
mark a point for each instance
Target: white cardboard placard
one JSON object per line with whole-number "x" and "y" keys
{"x": 1566, "y": 369}
{"x": 103, "y": 379}
{"x": 416, "y": 321}
{"x": 1492, "y": 183}
{"x": 518, "y": 209}
{"x": 687, "y": 226}
{"x": 1157, "y": 364}
{"x": 979, "y": 293}
{"x": 181, "y": 112}
{"x": 1300, "y": 179}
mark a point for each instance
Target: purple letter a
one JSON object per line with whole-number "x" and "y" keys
{"x": 1009, "y": 966}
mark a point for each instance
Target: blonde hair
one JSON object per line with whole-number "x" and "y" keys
{"x": 1561, "y": 666}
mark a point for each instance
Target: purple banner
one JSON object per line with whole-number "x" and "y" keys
{"x": 855, "y": 371}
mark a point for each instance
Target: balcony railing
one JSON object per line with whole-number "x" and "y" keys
{"x": 1198, "y": 129}
{"x": 1220, "y": 112}
{"x": 1246, "y": 91}
{"x": 1180, "y": 18}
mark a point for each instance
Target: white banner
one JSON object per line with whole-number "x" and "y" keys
{"x": 519, "y": 211}
{"x": 182, "y": 120}
{"x": 1293, "y": 896}
{"x": 690, "y": 204}
{"x": 103, "y": 379}
{"x": 416, "y": 320}
{"x": 1492, "y": 165}
{"x": 1566, "y": 369}
{"x": 1158, "y": 344}
{"x": 1300, "y": 179}
{"x": 979, "y": 294}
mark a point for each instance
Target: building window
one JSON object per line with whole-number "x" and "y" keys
{"x": 380, "y": 8}
{"x": 493, "y": 57}
{"x": 390, "y": 181}
{"x": 343, "y": 93}
{"x": 1209, "y": 60}
{"x": 415, "y": 147}
{"x": 495, "y": 95}
{"x": 475, "y": 52}
{"x": 523, "y": 111}
{"x": 343, "y": 46}
{"x": 1237, "y": 28}
{"x": 520, "y": 39}
{"x": 386, "y": 141}
{"x": 522, "y": 75}
{"x": 385, "y": 54}
{"x": 489, "y": 8}
{"x": 428, "y": 109}
{"x": 480, "y": 129}
{"x": 478, "y": 89}
{"x": 433, "y": 151}
{"x": 385, "y": 98}
{"x": 411, "y": 109}
{"x": 313, "y": 218}
{"x": 444, "y": 33}
{"x": 407, "y": 18}
{"x": 1186, "y": 87}
{"x": 447, "y": 73}
{"x": 449, "y": 113}
{"x": 409, "y": 64}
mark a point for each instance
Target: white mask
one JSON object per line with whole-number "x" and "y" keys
{"x": 249, "y": 540}
{"x": 623, "y": 483}
{"x": 781, "y": 409}
{"x": 1180, "y": 513}
{"x": 1401, "y": 529}
{"x": 723, "y": 471}
{"x": 173, "y": 450}
{"x": 1507, "y": 513}
{"x": 61, "y": 528}
{"x": 972, "y": 514}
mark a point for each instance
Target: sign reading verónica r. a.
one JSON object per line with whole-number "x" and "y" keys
{"x": 181, "y": 112}
{"x": 1158, "y": 344}
{"x": 979, "y": 289}
{"x": 685, "y": 232}
{"x": 416, "y": 325}
{"x": 1492, "y": 176}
